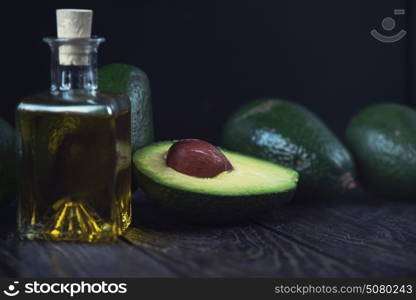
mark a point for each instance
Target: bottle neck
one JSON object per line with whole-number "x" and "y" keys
{"x": 74, "y": 64}
{"x": 65, "y": 78}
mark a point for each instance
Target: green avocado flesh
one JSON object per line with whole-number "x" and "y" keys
{"x": 382, "y": 139}
{"x": 290, "y": 135}
{"x": 133, "y": 82}
{"x": 252, "y": 187}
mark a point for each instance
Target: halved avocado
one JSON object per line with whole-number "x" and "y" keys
{"x": 252, "y": 187}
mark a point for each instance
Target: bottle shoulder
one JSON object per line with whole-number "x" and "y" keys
{"x": 98, "y": 102}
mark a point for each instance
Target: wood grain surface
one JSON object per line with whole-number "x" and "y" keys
{"x": 353, "y": 237}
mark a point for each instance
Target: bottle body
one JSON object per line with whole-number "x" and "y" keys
{"x": 76, "y": 166}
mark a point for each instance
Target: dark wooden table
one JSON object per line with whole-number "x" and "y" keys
{"x": 354, "y": 237}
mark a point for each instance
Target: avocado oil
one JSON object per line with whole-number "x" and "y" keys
{"x": 75, "y": 146}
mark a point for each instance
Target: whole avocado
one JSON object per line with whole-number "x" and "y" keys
{"x": 7, "y": 161}
{"x": 382, "y": 138}
{"x": 290, "y": 135}
{"x": 133, "y": 82}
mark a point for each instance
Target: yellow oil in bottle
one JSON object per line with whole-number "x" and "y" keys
{"x": 76, "y": 171}
{"x": 75, "y": 148}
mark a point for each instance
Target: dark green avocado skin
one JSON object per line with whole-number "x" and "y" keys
{"x": 8, "y": 159}
{"x": 382, "y": 138}
{"x": 288, "y": 134}
{"x": 133, "y": 82}
{"x": 199, "y": 208}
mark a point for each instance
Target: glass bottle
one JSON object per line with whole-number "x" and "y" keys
{"x": 75, "y": 153}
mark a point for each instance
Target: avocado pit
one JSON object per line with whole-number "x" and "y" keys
{"x": 197, "y": 158}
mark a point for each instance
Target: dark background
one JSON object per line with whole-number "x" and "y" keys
{"x": 205, "y": 58}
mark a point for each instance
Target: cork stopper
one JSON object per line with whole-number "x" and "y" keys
{"x": 73, "y": 24}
